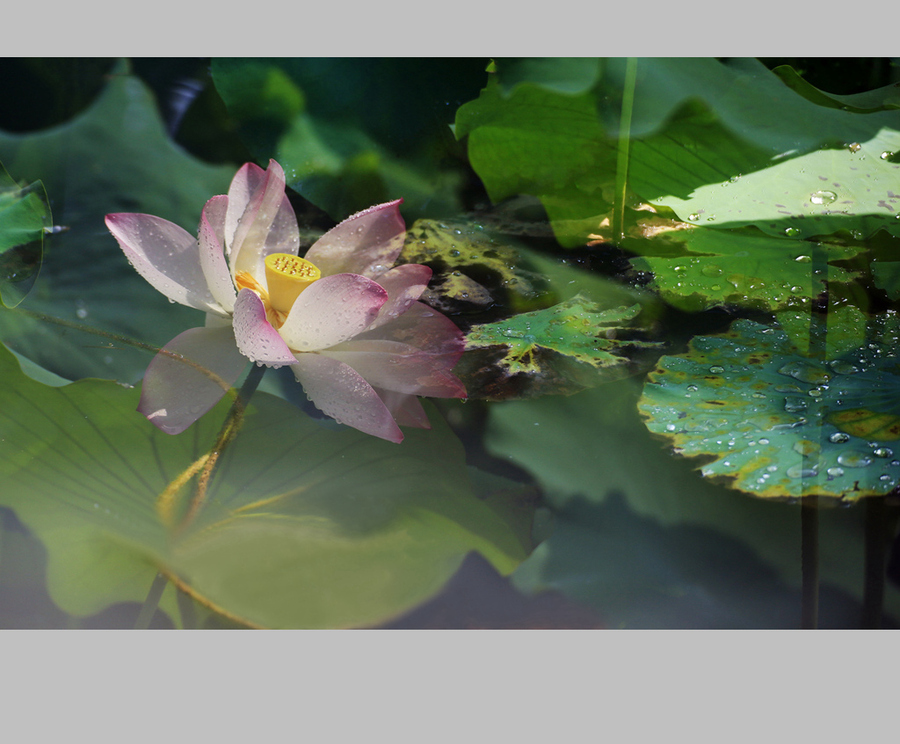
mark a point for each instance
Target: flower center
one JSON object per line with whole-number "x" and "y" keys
{"x": 287, "y": 276}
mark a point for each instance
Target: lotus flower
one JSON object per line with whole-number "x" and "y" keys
{"x": 349, "y": 325}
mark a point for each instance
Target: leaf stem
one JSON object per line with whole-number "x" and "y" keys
{"x": 148, "y": 609}
{"x": 229, "y": 430}
{"x": 623, "y": 147}
{"x": 876, "y": 553}
{"x": 809, "y": 548}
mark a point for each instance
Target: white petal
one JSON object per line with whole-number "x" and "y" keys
{"x": 366, "y": 243}
{"x": 404, "y": 285}
{"x": 400, "y": 367}
{"x": 166, "y": 256}
{"x": 189, "y": 376}
{"x": 340, "y": 392}
{"x": 266, "y": 225}
{"x": 212, "y": 255}
{"x": 255, "y": 337}
{"x": 332, "y": 310}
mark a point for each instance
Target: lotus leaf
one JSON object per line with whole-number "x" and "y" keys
{"x": 349, "y": 134}
{"x": 562, "y": 349}
{"x": 115, "y": 156}
{"x": 777, "y": 424}
{"x": 850, "y": 187}
{"x": 694, "y": 122}
{"x": 742, "y": 267}
{"x": 303, "y": 525}
{"x": 24, "y": 216}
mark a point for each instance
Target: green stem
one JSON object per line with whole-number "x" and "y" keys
{"x": 623, "y": 147}
{"x": 809, "y": 547}
{"x": 809, "y": 509}
{"x": 229, "y": 430}
{"x": 148, "y": 609}
{"x": 873, "y": 584}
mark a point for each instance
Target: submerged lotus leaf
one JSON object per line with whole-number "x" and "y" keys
{"x": 741, "y": 267}
{"x": 305, "y": 525}
{"x": 778, "y": 424}
{"x": 24, "y": 215}
{"x": 852, "y": 187}
{"x": 473, "y": 269}
{"x": 562, "y": 349}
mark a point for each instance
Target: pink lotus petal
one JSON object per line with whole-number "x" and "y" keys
{"x": 255, "y": 336}
{"x": 340, "y": 392}
{"x": 332, "y": 310}
{"x": 244, "y": 184}
{"x": 406, "y": 409}
{"x": 166, "y": 256}
{"x": 367, "y": 243}
{"x": 426, "y": 329}
{"x": 404, "y": 285}
{"x": 267, "y": 224}
{"x": 399, "y": 367}
{"x": 212, "y": 256}
{"x": 176, "y": 390}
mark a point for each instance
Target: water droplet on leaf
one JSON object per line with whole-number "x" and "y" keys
{"x": 822, "y": 197}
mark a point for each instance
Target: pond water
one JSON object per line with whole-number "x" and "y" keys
{"x": 646, "y": 379}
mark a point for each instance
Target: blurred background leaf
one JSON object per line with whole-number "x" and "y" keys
{"x": 114, "y": 156}
{"x": 355, "y": 132}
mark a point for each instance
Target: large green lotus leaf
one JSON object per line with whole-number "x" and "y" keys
{"x": 561, "y": 349}
{"x": 24, "y": 217}
{"x": 777, "y": 424}
{"x": 742, "y": 267}
{"x": 701, "y": 121}
{"x": 304, "y": 525}
{"x": 114, "y": 157}
{"x": 592, "y": 446}
{"x": 694, "y": 122}
{"x": 351, "y": 132}
{"x": 880, "y": 99}
{"x": 573, "y": 75}
{"x": 852, "y": 187}
{"x": 544, "y": 143}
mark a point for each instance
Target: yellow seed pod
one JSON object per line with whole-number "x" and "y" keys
{"x": 287, "y": 276}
